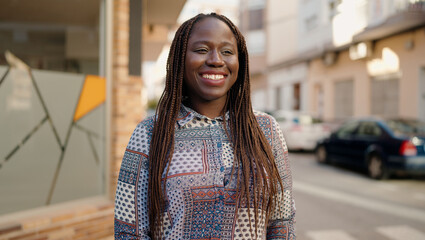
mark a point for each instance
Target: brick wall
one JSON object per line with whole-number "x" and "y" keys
{"x": 91, "y": 218}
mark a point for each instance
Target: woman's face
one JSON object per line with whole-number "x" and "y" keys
{"x": 211, "y": 64}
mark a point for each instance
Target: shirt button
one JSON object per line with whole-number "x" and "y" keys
{"x": 214, "y": 121}
{"x": 222, "y": 169}
{"x": 219, "y": 144}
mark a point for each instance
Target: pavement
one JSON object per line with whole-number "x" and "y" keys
{"x": 338, "y": 203}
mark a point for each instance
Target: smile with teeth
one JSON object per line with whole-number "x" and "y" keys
{"x": 213, "y": 76}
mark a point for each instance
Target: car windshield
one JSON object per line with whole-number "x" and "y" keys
{"x": 407, "y": 127}
{"x": 297, "y": 118}
{"x": 306, "y": 120}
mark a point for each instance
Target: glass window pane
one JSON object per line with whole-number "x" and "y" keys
{"x": 256, "y": 19}
{"x": 52, "y": 104}
{"x": 347, "y": 129}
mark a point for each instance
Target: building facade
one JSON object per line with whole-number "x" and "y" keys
{"x": 253, "y": 26}
{"x": 344, "y": 58}
{"x": 376, "y": 71}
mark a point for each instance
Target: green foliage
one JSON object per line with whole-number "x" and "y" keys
{"x": 152, "y": 103}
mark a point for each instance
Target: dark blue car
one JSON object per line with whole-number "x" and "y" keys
{"x": 383, "y": 147}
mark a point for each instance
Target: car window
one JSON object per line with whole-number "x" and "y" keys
{"x": 369, "y": 129}
{"x": 347, "y": 129}
{"x": 406, "y": 127}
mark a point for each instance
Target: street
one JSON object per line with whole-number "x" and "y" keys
{"x": 337, "y": 203}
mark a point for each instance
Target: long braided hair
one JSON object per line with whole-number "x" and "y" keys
{"x": 253, "y": 158}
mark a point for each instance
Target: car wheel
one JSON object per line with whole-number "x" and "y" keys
{"x": 376, "y": 168}
{"x": 321, "y": 154}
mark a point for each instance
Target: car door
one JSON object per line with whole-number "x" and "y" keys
{"x": 367, "y": 136}
{"x": 339, "y": 146}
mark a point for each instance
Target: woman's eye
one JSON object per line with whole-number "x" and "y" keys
{"x": 228, "y": 52}
{"x": 201, "y": 50}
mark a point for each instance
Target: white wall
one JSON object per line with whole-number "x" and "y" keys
{"x": 282, "y": 36}
{"x": 258, "y": 99}
{"x": 256, "y": 42}
{"x": 314, "y": 25}
{"x": 350, "y": 20}
{"x": 285, "y": 78}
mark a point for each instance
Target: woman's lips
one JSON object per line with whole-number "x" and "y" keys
{"x": 213, "y": 79}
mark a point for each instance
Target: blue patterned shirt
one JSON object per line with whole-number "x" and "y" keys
{"x": 200, "y": 194}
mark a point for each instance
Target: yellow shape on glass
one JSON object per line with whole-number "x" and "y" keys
{"x": 92, "y": 95}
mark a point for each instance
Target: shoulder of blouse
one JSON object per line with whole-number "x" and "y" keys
{"x": 141, "y": 137}
{"x": 261, "y": 114}
{"x": 268, "y": 125}
{"x": 266, "y": 118}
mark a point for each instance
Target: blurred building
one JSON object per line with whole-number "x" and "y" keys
{"x": 253, "y": 26}
{"x": 70, "y": 97}
{"x": 343, "y": 58}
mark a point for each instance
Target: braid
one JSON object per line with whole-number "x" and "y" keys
{"x": 254, "y": 161}
{"x": 162, "y": 143}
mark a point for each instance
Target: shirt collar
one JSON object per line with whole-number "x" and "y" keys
{"x": 186, "y": 114}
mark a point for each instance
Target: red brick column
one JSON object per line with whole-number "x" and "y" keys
{"x": 127, "y": 109}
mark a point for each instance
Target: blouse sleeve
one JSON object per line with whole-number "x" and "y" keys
{"x": 131, "y": 212}
{"x": 282, "y": 220}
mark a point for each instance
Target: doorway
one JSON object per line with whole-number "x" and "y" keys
{"x": 421, "y": 94}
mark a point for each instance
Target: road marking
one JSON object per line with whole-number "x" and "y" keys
{"x": 329, "y": 235}
{"x": 419, "y": 196}
{"x": 401, "y": 233}
{"x": 366, "y": 203}
{"x": 386, "y": 186}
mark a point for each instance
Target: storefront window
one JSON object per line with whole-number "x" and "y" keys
{"x": 52, "y": 103}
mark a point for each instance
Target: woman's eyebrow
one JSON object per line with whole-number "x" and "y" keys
{"x": 206, "y": 42}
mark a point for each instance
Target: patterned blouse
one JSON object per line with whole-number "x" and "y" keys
{"x": 200, "y": 195}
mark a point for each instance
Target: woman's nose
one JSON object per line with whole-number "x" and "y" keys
{"x": 215, "y": 59}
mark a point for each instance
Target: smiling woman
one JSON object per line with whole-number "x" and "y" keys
{"x": 211, "y": 65}
{"x": 206, "y": 166}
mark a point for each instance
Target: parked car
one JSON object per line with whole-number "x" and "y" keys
{"x": 383, "y": 147}
{"x": 301, "y": 130}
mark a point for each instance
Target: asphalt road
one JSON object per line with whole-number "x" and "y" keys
{"x": 337, "y": 203}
